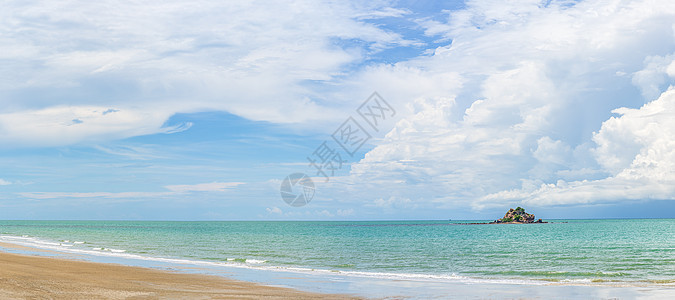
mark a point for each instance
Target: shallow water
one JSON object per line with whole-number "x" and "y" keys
{"x": 618, "y": 252}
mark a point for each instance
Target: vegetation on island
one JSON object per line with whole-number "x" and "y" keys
{"x": 517, "y": 216}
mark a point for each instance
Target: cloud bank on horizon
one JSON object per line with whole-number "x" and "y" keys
{"x": 541, "y": 103}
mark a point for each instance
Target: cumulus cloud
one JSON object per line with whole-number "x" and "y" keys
{"x": 532, "y": 119}
{"x": 274, "y": 210}
{"x": 654, "y": 76}
{"x": 649, "y": 132}
{"x": 637, "y": 149}
{"x": 345, "y": 212}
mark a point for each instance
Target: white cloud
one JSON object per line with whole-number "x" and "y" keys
{"x": 345, "y": 212}
{"x": 173, "y": 190}
{"x": 550, "y": 151}
{"x": 4, "y": 182}
{"x": 64, "y": 125}
{"x": 153, "y": 59}
{"x": 274, "y": 210}
{"x": 61, "y": 195}
{"x": 516, "y": 107}
{"x": 530, "y": 120}
{"x": 653, "y": 77}
{"x": 394, "y": 202}
{"x": 652, "y": 129}
{"x": 203, "y": 187}
{"x": 637, "y": 148}
{"x": 323, "y": 213}
{"x": 131, "y": 152}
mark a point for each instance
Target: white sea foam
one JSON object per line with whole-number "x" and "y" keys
{"x": 47, "y": 243}
{"x": 578, "y": 280}
{"x": 255, "y": 261}
{"x": 247, "y": 260}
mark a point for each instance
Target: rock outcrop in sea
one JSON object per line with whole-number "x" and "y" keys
{"x": 517, "y": 216}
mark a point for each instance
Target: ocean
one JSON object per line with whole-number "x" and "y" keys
{"x": 624, "y": 252}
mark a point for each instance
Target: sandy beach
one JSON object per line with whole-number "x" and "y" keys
{"x": 32, "y": 277}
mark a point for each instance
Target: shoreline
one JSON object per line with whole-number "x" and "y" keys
{"x": 39, "y": 277}
{"x": 42, "y": 273}
{"x": 27, "y": 276}
{"x": 331, "y": 283}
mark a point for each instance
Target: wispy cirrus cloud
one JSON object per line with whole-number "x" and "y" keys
{"x": 92, "y": 195}
{"x": 173, "y": 190}
{"x": 203, "y": 187}
{"x": 67, "y": 125}
{"x": 235, "y": 57}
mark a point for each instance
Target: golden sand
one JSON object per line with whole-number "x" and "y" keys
{"x": 33, "y": 277}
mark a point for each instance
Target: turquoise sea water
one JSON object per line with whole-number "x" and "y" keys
{"x": 632, "y": 252}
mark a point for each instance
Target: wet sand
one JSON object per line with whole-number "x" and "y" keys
{"x": 36, "y": 277}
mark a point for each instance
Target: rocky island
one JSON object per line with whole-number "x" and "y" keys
{"x": 517, "y": 216}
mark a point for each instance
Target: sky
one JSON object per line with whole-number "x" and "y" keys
{"x": 177, "y": 110}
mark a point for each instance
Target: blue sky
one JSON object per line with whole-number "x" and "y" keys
{"x": 169, "y": 110}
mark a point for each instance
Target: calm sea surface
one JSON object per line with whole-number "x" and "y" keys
{"x": 612, "y": 251}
